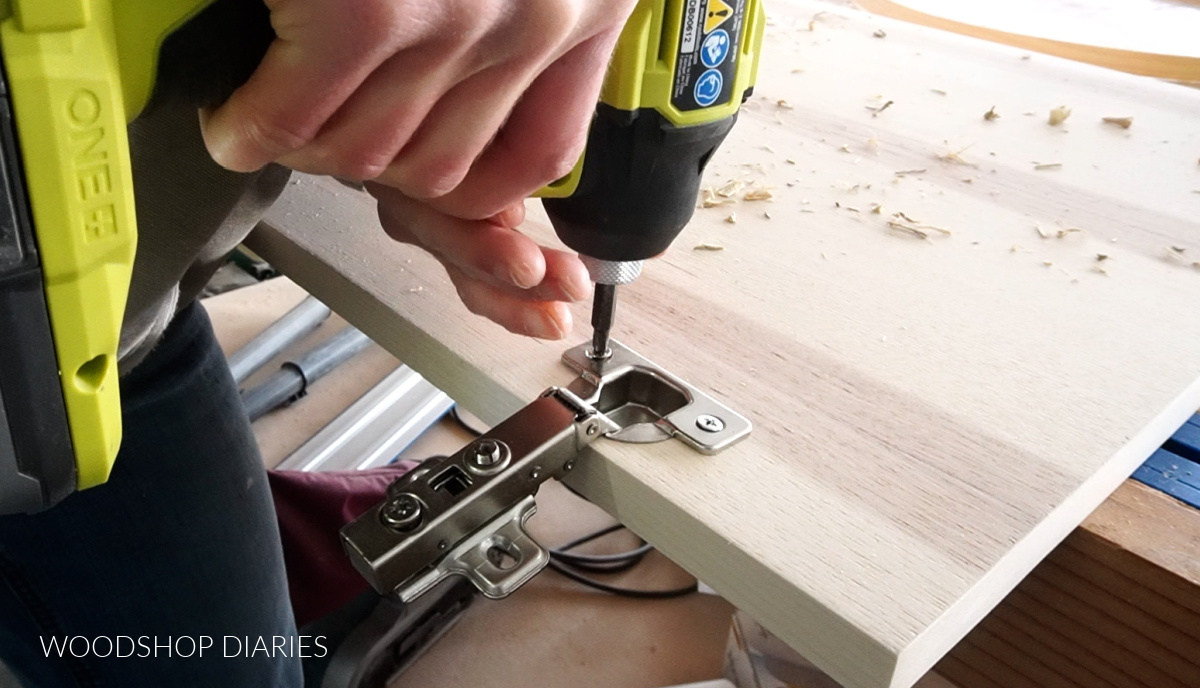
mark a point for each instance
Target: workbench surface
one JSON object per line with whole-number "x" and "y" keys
{"x": 939, "y": 396}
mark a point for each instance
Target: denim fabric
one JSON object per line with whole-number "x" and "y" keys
{"x": 181, "y": 543}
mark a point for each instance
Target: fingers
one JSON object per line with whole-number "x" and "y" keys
{"x": 481, "y": 249}
{"x": 541, "y": 319}
{"x": 295, "y": 89}
{"x": 542, "y": 138}
{"x": 499, "y": 273}
{"x": 361, "y": 139}
{"x": 455, "y": 132}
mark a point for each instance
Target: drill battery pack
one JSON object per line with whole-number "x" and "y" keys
{"x": 74, "y": 72}
{"x": 37, "y": 462}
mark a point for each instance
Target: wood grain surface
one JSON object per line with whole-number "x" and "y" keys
{"x": 933, "y": 415}
{"x": 1116, "y": 604}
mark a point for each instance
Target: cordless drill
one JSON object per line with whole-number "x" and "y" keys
{"x": 75, "y": 72}
{"x": 680, "y": 72}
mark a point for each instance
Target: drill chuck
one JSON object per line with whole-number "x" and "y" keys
{"x": 611, "y": 271}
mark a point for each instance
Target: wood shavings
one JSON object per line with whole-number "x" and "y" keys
{"x": 1101, "y": 257}
{"x": 763, "y": 194}
{"x": 703, "y": 246}
{"x": 1177, "y": 253}
{"x": 812, "y": 23}
{"x": 1017, "y": 248}
{"x": 938, "y": 91}
{"x": 903, "y": 173}
{"x": 1059, "y": 115}
{"x": 910, "y": 230}
{"x": 1048, "y": 263}
{"x": 955, "y": 156}
{"x": 876, "y": 209}
{"x": 967, "y": 180}
{"x": 845, "y": 148}
{"x": 991, "y": 115}
{"x": 1066, "y": 231}
{"x": 790, "y": 161}
{"x": 1123, "y": 122}
{"x": 1047, "y": 165}
{"x": 901, "y": 221}
{"x": 730, "y": 188}
{"x": 1099, "y": 269}
{"x": 784, "y": 105}
{"x": 876, "y": 110}
{"x": 712, "y": 199}
{"x": 880, "y": 33}
{"x": 731, "y": 218}
{"x": 416, "y": 290}
{"x": 767, "y": 214}
{"x": 1041, "y": 232}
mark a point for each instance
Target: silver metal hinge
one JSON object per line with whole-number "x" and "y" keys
{"x": 465, "y": 514}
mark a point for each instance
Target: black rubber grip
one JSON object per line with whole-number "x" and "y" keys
{"x": 639, "y": 185}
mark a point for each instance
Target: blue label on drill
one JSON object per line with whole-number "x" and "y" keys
{"x": 707, "y": 60}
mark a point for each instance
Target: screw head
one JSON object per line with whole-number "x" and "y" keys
{"x": 569, "y": 465}
{"x": 535, "y": 473}
{"x": 487, "y": 453}
{"x": 710, "y": 423}
{"x": 402, "y": 512}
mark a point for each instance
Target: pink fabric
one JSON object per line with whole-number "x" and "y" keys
{"x": 311, "y": 508}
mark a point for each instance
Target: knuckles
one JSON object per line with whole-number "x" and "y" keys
{"x": 277, "y": 135}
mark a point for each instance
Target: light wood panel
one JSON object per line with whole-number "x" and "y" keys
{"x": 932, "y": 415}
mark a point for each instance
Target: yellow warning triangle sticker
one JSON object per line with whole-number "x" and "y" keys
{"x": 718, "y": 13}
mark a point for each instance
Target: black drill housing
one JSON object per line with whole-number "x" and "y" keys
{"x": 639, "y": 185}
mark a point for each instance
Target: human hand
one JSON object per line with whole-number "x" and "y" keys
{"x": 469, "y": 105}
{"x": 499, "y": 273}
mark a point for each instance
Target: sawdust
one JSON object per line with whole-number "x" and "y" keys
{"x": 1123, "y": 122}
{"x": 1059, "y": 115}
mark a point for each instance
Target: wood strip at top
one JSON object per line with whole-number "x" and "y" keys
{"x": 932, "y": 414}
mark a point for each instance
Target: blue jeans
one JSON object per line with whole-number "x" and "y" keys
{"x": 181, "y": 545}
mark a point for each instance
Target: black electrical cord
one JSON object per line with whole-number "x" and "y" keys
{"x": 569, "y": 564}
{"x": 462, "y": 422}
{"x": 574, "y": 566}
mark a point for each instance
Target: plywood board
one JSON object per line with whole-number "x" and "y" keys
{"x": 933, "y": 415}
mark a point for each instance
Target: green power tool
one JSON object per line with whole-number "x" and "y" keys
{"x": 679, "y": 75}
{"x": 75, "y": 73}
